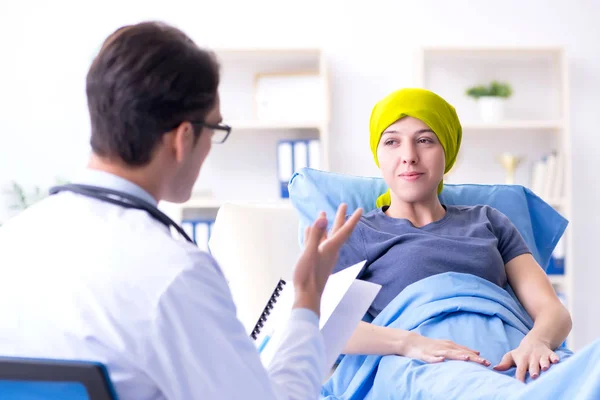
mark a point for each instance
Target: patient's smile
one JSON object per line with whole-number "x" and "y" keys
{"x": 411, "y": 176}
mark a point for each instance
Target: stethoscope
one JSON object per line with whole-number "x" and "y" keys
{"x": 121, "y": 199}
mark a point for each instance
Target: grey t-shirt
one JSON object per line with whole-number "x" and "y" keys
{"x": 478, "y": 240}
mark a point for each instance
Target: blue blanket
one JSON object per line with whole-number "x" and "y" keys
{"x": 472, "y": 312}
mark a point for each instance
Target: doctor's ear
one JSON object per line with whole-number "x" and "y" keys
{"x": 181, "y": 140}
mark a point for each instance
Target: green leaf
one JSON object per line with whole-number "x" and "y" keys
{"x": 495, "y": 88}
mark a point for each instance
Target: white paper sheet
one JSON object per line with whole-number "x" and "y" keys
{"x": 344, "y": 302}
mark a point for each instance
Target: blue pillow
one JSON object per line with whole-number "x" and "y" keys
{"x": 312, "y": 191}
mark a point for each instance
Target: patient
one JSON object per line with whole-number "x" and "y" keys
{"x": 415, "y": 137}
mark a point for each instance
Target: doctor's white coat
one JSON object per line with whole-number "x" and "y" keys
{"x": 84, "y": 279}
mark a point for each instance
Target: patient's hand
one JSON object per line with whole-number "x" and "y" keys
{"x": 434, "y": 350}
{"x": 532, "y": 355}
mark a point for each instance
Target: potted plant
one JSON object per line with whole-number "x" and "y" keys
{"x": 20, "y": 199}
{"x": 491, "y": 99}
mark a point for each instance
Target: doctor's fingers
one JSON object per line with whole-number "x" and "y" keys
{"x": 340, "y": 217}
{"x": 339, "y": 237}
{"x": 315, "y": 233}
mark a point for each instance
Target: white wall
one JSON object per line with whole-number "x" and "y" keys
{"x": 47, "y": 47}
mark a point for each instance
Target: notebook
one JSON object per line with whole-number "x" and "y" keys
{"x": 344, "y": 303}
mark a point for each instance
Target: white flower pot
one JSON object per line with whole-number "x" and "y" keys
{"x": 491, "y": 108}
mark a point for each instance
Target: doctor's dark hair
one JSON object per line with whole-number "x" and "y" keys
{"x": 146, "y": 80}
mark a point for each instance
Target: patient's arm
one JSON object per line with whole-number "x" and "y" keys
{"x": 552, "y": 321}
{"x": 379, "y": 340}
{"x": 535, "y": 292}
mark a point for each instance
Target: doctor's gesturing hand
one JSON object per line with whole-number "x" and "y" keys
{"x": 320, "y": 255}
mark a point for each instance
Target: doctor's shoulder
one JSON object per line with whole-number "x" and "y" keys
{"x": 190, "y": 276}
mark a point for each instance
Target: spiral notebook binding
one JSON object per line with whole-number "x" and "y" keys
{"x": 267, "y": 310}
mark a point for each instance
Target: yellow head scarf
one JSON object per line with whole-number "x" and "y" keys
{"x": 424, "y": 105}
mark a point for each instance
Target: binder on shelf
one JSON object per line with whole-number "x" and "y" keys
{"x": 547, "y": 177}
{"x": 344, "y": 303}
{"x": 188, "y": 227}
{"x": 314, "y": 154}
{"x": 300, "y": 154}
{"x": 556, "y": 265}
{"x": 293, "y": 155}
{"x": 285, "y": 165}
{"x": 199, "y": 230}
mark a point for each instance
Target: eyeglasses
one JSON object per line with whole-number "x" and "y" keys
{"x": 220, "y": 131}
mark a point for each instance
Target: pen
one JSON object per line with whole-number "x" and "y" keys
{"x": 264, "y": 343}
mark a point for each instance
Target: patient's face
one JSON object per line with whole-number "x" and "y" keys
{"x": 411, "y": 159}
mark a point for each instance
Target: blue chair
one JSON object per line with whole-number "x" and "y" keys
{"x": 41, "y": 379}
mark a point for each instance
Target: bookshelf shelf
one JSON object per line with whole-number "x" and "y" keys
{"x": 202, "y": 203}
{"x": 208, "y": 203}
{"x": 203, "y": 208}
{"x": 556, "y": 202}
{"x": 251, "y": 125}
{"x": 557, "y": 280}
{"x": 514, "y": 125}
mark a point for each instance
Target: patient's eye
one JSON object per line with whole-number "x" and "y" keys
{"x": 425, "y": 140}
{"x": 390, "y": 142}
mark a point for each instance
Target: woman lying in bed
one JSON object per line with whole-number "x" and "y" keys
{"x": 415, "y": 139}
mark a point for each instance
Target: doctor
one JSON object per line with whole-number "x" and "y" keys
{"x": 89, "y": 275}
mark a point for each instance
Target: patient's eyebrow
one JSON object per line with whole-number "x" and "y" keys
{"x": 420, "y": 131}
{"x": 423, "y": 131}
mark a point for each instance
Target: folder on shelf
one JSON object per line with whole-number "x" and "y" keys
{"x": 300, "y": 154}
{"x": 314, "y": 154}
{"x": 285, "y": 160}
{"x": 292, "y": 155}
{"x": 201, "y": 235}
{"x": 547, "y": 177}
{"x": 188, "y": 227}
{"x": 556, "y": 265}
{"x": 199, "y": 230}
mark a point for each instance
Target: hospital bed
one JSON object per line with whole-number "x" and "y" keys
{"x": 277, "y": 231}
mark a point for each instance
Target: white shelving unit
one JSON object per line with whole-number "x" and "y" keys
{"x": 244, "y": 168}
{"x": 536, "y": 120}
{"x": 512, "y": 125}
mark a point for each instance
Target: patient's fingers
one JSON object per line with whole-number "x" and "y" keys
{"x": 468, "y": 349}
{"x": 534, "y": 367}
{"x": 521, "y": 371}
{"x": 506, "y": 363}
{"x": 473, "y": 357}
{"x": 554, "y": 358}
{"x": 545, "y": 363}
{"x": 433, "y": 359}
{"x": 461, "y": 355}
